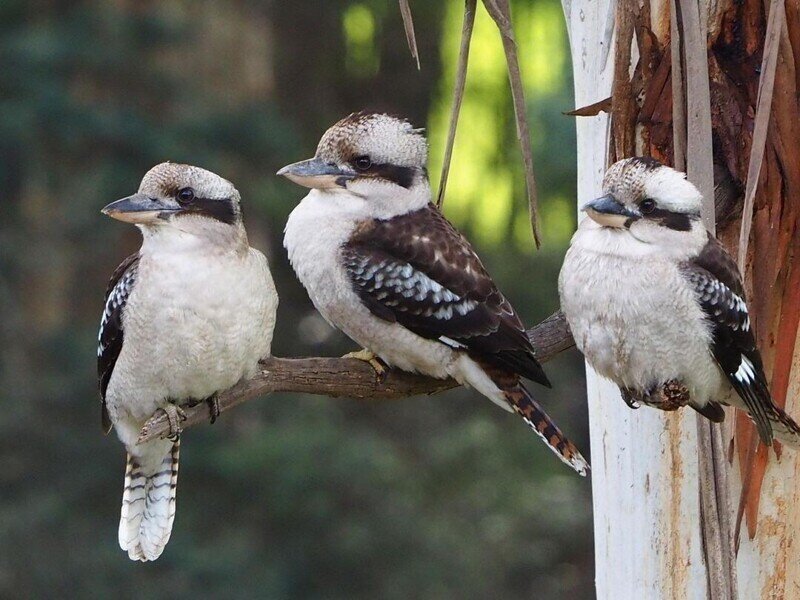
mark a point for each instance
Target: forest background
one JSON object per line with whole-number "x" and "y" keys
{"x": 288, "y": 496}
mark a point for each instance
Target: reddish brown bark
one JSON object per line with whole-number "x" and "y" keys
{"x": 735, "y": 47}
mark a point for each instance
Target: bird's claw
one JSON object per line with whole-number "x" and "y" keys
{"x": 213, "y": 408}
{"x": 175, "y": 414}
{"x": 370, "y": 357}
{"x": 627, "y": 396}
{"x": 668, "y": 396}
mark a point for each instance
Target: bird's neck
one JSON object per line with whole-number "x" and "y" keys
{"x": 643, "y": 241}
{"x": 369, "y": 199}
{"x": 195, "y": 234}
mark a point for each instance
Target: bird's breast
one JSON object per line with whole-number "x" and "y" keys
{"x": 314, "y": 236}
{"x": 636, "y": 321}
{"x": 196, "y": 324}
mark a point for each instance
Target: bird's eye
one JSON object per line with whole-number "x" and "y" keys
{"x": 362, "y": 163}
{"x": 185, "y": 195}
{"x": 647, "y": 206}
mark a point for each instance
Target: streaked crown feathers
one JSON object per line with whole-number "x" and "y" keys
{"x": 631, "y": 179}
{"x": 382, "y": 137}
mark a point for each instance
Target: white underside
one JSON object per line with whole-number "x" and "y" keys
{"x": 196, "y": 323}
{"x": 635, "y": 317}
{"x": 314, "y": 235}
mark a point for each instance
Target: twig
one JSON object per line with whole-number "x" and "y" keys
{"x": 769, "y": 61}
{"x": 458, "y": 94}
{"x": 590, "y": 110}
{"x": 501, "y": 13}
{"x": 408, "y": 24}
{"x": 346, "y": 377}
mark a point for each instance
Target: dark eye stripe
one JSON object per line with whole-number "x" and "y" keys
{"x": 221, "y": 209}
{"x": 673, "y": 220}
{"x": 402, "y": 176}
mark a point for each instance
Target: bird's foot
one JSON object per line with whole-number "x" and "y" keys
{"x": 175, "y": 414}
{"x": 667, "y": 396}
{"x": 213, "y": 407}
{"x": 370, "y": 357}
{"x": 673, "y": 395}
{"x": 628, "y": 395}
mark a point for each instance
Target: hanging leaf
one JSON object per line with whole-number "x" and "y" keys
{"x": 766, "y": 84}
{"x": 501, "y": 13}
{"x": 458, "y": 94}
{"x": 408, "y": 24}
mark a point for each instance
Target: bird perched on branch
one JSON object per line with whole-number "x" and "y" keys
{"x": 654, "y": 300}
{"x": 383, "y": 265}
{"x": 187, "y": 316}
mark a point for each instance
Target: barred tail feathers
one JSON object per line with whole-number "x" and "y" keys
{"x": 148, "y": 501}
{"x": 520, "y": 399}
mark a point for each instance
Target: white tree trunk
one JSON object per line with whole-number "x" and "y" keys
{"x": 645, "y": 477}
{"x": 644, "y": 465}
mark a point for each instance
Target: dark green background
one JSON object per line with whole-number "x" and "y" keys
{"x": 287, "y": 496}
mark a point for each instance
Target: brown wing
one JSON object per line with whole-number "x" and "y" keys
{"x": 109, "y": 342}
{"x": 718, "y": 285}
{"x": 417, "y": 270}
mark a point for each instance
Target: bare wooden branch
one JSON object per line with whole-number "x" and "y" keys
{"x": 500, "y": 11}
{"x": 346, "y": 377}
{"x": 458, "y": 93}
{"x": 408, "y": 24}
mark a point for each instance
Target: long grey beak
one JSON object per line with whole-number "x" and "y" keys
{"x": 315, "y": 173}
{"x": 138, "y": 208}
{"x": 610, "y": 212}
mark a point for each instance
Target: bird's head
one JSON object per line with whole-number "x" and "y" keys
{"x": 377, "y": 157}
{"x": 173, "y": 195}
{"x": 647, "y": 198}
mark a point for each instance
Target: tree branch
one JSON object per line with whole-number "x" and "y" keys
{"x": 346, "y": 377}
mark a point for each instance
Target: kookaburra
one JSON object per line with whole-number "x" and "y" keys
{"x": 187, "y": 316}
{"x": 383, "y": 265}
{"x": 653, "y": 298}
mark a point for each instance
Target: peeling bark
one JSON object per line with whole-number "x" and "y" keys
{"x": 763, "y": 483}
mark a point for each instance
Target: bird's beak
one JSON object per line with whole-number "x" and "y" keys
{"x": 316, "y": 173}
{"x": 610, "y": 212}
{"x": 139, "y": 208}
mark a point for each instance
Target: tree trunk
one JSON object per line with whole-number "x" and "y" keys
{"x": 652, "y": 538}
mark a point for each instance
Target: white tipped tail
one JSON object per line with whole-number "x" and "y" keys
{"x": 148, "y": 502}
{"x": 785, "y": 429}
{"x": 534, "y": 416}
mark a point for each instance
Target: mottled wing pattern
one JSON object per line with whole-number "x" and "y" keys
{"x": 109, "y": 342}
{"x": 417, "y": 270}
{"x": 718, "y": 285}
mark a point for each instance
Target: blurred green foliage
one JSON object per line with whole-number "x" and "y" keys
{"x": 287, "y": 496}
